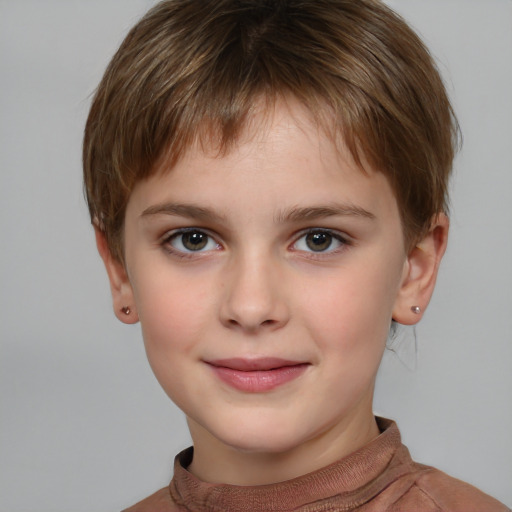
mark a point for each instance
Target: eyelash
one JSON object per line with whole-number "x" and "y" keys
{"x": 336, "y": 237}
{"x": 173, "y": 235}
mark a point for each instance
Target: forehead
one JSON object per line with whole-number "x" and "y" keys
{"x": 267, "y": 119}
{"x": 283, "y": 129}
{"x": 281, "y": 161}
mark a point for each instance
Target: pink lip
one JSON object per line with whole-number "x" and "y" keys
{"x": 257, "y": 375}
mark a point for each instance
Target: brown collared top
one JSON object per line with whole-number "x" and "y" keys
{"x": 380, "y": 477}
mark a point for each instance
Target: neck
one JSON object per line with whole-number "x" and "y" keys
{"x": 216, "y": 462}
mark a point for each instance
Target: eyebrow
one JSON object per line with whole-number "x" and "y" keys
{"x": 298, "y": 214}
{"x": 183, "y": 210}
{"x": 294, "y": 214}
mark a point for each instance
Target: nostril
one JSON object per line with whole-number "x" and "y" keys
{"x": 251, "y": 326}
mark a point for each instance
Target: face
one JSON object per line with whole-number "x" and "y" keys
{"x": 265, "y": 281}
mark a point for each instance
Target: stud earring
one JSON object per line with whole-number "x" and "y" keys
{"x": 126, "y": 310}
{"x": 416, "y": 310}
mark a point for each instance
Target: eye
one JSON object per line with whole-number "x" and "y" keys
{"x": 319, "y": 240}
{"x": 192, "y": 240}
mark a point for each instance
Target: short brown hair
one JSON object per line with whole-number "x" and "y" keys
{"x": 199, "y": 66}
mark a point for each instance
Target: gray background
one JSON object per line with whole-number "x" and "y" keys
{"x": 83, "y": 424}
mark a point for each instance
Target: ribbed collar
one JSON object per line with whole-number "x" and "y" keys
{"x": 346, "y": 484}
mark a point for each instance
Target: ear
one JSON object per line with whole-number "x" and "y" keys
{"x": 420, "y": 272}
{"x": 120, "y": 287}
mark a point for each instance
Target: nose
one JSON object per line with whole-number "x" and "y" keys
{"x": 254, "y": 296}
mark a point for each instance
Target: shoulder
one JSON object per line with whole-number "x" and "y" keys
{"x": 160, "y": 501}
{"x": 440, "y": 492}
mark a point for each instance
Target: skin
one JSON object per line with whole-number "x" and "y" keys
{"x": 259, "y": 289}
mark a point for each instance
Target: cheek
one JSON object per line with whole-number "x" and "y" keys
{"x": 173, "y": 312}
{"x": 174, "y": 321}
{"x": 351, "y": 314}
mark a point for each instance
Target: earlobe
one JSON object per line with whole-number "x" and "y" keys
{"x": 420, "y": 273}
{"x": 120, "y": 286}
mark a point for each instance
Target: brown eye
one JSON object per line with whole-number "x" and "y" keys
{"x": 319, "y": 241}
{"x": 192, "y": 240}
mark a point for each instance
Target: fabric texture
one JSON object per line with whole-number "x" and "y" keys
{"x": 380, "y": 477}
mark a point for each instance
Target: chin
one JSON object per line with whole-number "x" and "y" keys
{"x": 270, "y": 438}
{"x": 262, "y": 446}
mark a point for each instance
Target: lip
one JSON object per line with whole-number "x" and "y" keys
{"x": 257, "y": 375}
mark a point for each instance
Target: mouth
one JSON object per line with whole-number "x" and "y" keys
{"x": 257, "y": 375}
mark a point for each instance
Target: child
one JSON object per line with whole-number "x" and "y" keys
{"x": 268, "y": 185}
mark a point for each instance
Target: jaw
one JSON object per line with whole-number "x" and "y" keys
{"x": 250, "y": 456}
